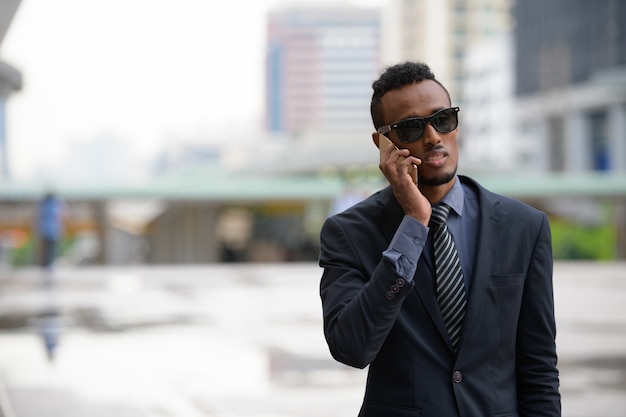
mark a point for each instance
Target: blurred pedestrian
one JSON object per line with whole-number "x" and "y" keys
{"x": 50, "y": 228}
{"x": 50, "y": 329}
{"x": 443, "y": 288}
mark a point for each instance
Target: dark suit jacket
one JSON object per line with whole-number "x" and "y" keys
{"x": 506, "y": 360}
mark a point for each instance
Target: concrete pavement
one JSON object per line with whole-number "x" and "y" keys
{"x": 242, "y": 341}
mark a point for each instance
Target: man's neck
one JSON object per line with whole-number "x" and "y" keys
{"x": 436, "y": 193}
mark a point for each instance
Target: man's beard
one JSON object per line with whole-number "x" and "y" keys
{"x": 438, "y": 180}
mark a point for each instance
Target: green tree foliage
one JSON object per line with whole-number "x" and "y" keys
{"x": 576, "y": 241}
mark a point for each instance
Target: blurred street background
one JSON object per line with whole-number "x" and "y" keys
{"x": 242, "y": 341}
{"x": 195, "y": 133}
{"x": 165, "y": 168}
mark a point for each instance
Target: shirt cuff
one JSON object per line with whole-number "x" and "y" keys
{"x": 406, "y": 247}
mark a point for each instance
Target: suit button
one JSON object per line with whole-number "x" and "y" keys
{"x": 400, "y": 282}
{"x": 389, "y": 295}
{"x": 395, "y": 288}
{"x": 457, "y": 376}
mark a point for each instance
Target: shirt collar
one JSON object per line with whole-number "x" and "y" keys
{"x": 454, "y": 198}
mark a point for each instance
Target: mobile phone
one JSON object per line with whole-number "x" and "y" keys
{"x": 384, "y": 143}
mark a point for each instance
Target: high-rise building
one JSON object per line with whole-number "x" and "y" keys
{"x": 571, "y": 82}
{"x": 487, "y": 130}
{"x": 321, "y": 61}
{"x": 441, "y": 32}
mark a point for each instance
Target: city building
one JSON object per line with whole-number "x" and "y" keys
{"x": 488, "y": 129}
{"x": 571, "y": 83}
{"x": 321, "y": 61}
{"x": 442, "y": 32}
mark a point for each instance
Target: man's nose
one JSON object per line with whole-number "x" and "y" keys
{"x": 430, "y": 135}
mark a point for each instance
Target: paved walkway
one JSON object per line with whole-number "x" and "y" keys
{"x": 242, "y": 341}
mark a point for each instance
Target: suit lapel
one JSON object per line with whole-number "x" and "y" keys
{"x": 488, "y": 240}
{"x": 425, "y": 289}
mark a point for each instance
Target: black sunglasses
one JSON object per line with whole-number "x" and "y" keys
{"x": 410, "y": 130}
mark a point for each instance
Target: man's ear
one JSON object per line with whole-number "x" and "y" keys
{"x": 376, "y": 139}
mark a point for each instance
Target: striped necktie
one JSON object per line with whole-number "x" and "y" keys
{"x": 450, "y": 288}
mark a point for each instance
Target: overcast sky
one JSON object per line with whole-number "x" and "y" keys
{"x": 142, "y": 71}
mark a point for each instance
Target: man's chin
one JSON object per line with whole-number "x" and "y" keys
{"x": 432, "y": 181}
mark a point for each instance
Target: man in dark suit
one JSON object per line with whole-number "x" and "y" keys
{"x": 380, "y": 286}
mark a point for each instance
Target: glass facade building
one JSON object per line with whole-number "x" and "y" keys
{"x": 570, "y": 81}
{"x": 321, "y": 62}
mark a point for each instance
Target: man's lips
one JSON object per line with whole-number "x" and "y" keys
{"x": 435, "y": 158}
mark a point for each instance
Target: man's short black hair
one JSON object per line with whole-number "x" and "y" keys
{"x": 394, "y": 77}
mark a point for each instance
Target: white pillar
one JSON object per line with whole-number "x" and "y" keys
{"x": 577, "y": 149}
{"x": 542, "y": 145}
{"x": 10, "y": 81}
{"x": 617, "y": 136}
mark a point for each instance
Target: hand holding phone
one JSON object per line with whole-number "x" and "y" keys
{"x": 384, "y": 143}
